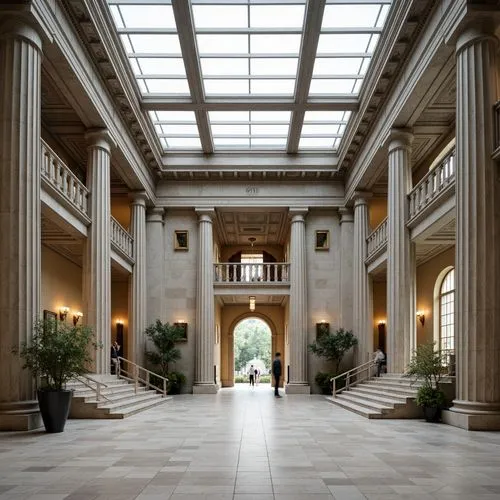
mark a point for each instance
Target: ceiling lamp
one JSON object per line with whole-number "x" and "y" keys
{"x": 252, "y": 303}
{"x": 252, "y": 240}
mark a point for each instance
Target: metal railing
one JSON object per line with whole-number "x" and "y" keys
{"x": 58, "y": 175}
{"x": 377, "y": 238}
{"x": 139, "y": 375}
{"x": 121, "y": 238}
{"x": 230, "y": 272}
{"x": 496, "y": 118}
{"x": 432, "y": 184}
{"x": 353, "y": 376}
{"x": 96, "y": 389}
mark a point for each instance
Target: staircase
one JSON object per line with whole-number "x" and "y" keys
{"x": 389, "y": 396}
{"x": 107, "y": 396}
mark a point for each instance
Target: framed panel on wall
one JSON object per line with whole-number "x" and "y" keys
{"x": 181, "y": 240}
{"x": 322, "y": 240}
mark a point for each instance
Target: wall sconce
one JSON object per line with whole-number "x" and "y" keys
{"x": 252, "y": 303}
{"x": 381, "y": 322}
{"x": 119, "y": 322}
{"x": 63, "y": 312}
{"x": 421, "y": 317}
{"x": 76, "y": 317}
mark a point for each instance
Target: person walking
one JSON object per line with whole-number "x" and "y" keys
{"x": 251, "y": 374}
{"x": 277, "y": 374}
{"x": 379, "y": 360}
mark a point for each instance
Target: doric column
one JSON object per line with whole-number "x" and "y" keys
{"x": 97, "y": 252}
{"x": 297, "y": 324}
{"x": 346, "y": 267}
{"x": 155, "y": 248}
{"x": 400, "y": 256}
{"x": 362, "y": 303}
{"x": 477, "y": 327}
{"x": 20, "y": 56}
{"x": 137, "y": 300}
{"x": 205, "y": 309}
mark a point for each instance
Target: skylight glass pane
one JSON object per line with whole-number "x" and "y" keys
{"x": 174, "y": 116}
{"x": 228, "y": 130}
{"x": 226, "y": 87}
{"x": 159, "y": 66}
{"x": 323, "y": 116}
{"x": 272, "y": 142}
{"x": 222, "y": 44}
{"x": 276, "y": 87}
{"x": 325, "y": 86}
{"x": 270, "y": 116}
{"x": 350, "y": 16}
{"x": 220, "y": 16}
{"x": 276, "y": 16}
{"x": 184, "y": 142}
{"x": 315, "y": 143}
{"x": 117, "y": 18}
{"x": 319, "y": 129}
{"x": 224, "y": 66}
{"x": 148, "y": 16}
{"x": 275, "y": 44}
{"x": 269, "y": 129}
{"x": 178, "y": 129}
{"x": 345, "y": 42}
{"x": 240, "y": 142}
{"x": 152, "y": 44}
{"x": 337, "y": 65}
{"x": 170, "y": 86}
{"x": 273, "y": 66}
{"x": 228, "y": 116}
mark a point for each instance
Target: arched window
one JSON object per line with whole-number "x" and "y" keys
{"x": 447, "y": 316}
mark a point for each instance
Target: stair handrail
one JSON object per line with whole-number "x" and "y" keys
{"x": 357, "y": 370}
{"x": 134, "y": 376}
{"x": 96, "y": 389}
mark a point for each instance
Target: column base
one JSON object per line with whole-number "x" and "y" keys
{"x": 473, "y": 416}
{"x": 20, "y": 416}
{"x": 297, "y": 389}
{"x": 205, "y": 388}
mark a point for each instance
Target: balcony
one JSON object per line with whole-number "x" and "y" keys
{"x": 377, "y": 242}
{"x": 122, "y": 241}
{"x": 230, "y": 273}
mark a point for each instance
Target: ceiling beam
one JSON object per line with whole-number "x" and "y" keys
{"x": 312, "y": 28}
{"x": 187, "y": 38}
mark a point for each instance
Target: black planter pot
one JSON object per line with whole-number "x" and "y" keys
{"x": 54, "y": 407}
{"x": 432, "y": 413}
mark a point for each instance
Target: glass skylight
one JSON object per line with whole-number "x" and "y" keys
{"x": 241, "y": 51}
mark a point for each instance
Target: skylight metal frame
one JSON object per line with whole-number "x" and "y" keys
{"x": 298, "y": 101}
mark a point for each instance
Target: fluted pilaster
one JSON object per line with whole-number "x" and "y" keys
{"x": 137, "y": 301}
{"x": 401, "y": 268}
{"x": 477, "y": 327}
{"x": 155, "y": 264}
{"x": 97, "y": 253}
{"x": 297, "y": 325}
{"x": 346, "y": 267}
{"x": 205, "y": 309}
{"x": 362, "y": 303}
{"x": 20, "y": 62}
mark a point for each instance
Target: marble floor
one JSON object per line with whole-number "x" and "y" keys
{"x": 244, "y": 444}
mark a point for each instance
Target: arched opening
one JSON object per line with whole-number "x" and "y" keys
{"x": 252, "y": 351}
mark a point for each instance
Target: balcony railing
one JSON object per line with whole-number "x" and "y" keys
{"x": 58, "y": 175}
{"x": 229, "y": 272}
{"x": 377, "y": 239}
{"x": 434, "y": 182}
{"x": 496, "y": 118}
{"x": 121, "y": 239}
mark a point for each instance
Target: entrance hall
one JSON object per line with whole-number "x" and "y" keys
{"x": 245, "y": 444}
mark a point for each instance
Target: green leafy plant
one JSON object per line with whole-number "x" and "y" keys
{"x": 164, "y": 337}
{"x": 323, "y": 381}
{"x": 429, "y": 397}
{"x": 334, "y": 346}
{"x": 58, "y": 352}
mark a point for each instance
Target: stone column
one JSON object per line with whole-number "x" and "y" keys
{"x": 362, "y": 303}
{"x": 346, "y": 267}
{"x": 20, "y": 59}
{"x": 205, "y": 308}
{"x": 477, "y": 325}
{"x": 297, "y": 325}
{"x": 401, "y": 268}
{"x": 137, "y": 299}
{"x": 155, "y": 249}
{"x": 97, "y": 251}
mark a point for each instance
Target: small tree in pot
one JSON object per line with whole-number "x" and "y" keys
{"x": 57, "y": 353}
{"x": 426, "y": 365}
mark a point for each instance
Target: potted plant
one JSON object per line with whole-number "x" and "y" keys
{"x": 57, "y": 353}
{"x": 164, "y": 337}
{"x": 426, "y": 365}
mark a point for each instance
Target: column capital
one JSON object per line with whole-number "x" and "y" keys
{"x": 297, "y": 214}
{"x": 346, "y": 215}
{"x": 361, "y": 198}
{"x": 205, "y": 214}
{"x": 399, "y": 138}
{"x": 473, "y": 32}
{"x": 100, "y": 138}
{"x": 155, "y": 215}
{"x": 17, "y": 26}
{"x": 138, "y": 198}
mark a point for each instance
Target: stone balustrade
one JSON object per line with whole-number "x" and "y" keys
{"x": 64, "y": 183}
{"x": 377, "y": 239}
{"x": 229, "y": 272}
{"x": 121, "y": 239}
{"x": 432, "y": 185}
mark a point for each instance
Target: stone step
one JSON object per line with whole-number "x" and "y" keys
{"x": 130, "y": 400}
{"x": 392, "y": 385}
{"x": 124, "y": 393}
{"x": 351, "y": 406}
{"x": 132, "y": 410}
{"x": 361, "y": 401}
{"x": 368, "y": 389}
{"x": 386, "y": 398}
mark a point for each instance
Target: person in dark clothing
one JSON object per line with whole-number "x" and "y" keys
{"x": 277, "y": 373}
{"x": 115, "y": 353}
